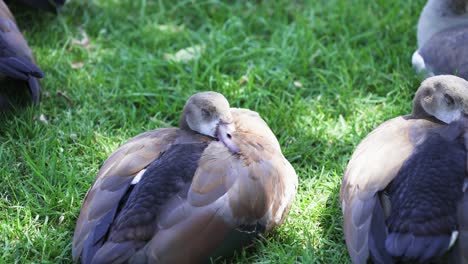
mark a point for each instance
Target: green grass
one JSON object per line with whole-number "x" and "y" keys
{"x": 352, "y": 59}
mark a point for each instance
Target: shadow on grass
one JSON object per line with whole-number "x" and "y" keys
{"x": 332, "y": 220}
{"x": 331, "y": 244}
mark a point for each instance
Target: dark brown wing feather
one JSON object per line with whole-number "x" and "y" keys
{"x": 16, "y": 59}
{"x": 112, "y": 182}
{"x": 372, "y": 167}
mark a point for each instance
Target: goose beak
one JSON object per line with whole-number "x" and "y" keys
{"x": 225, "y": 135}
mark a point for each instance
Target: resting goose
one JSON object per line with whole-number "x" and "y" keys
{"x": 443, "y": 38}
{"x": 17, "y": 66}
{"x": 183, "y": 195}
{"x": 403, "y": 193}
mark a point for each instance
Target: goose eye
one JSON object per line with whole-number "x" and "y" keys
{"x": 205, "y": 113}
{"x": 449, "y": 99}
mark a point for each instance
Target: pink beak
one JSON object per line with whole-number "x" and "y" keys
{"x": 225, "y": 131}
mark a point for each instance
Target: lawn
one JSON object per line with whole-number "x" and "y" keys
{"x": 322, "y": 74}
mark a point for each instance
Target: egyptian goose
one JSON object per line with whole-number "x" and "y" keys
{"x": 443, "y": 39}
{"x": 403, "y": 193}
{"x": 183, "y": 195}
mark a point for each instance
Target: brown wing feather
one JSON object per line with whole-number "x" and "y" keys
{"x": 187, "y": 234}
{"x": 372, "y": 167}
{"x": 115, "y": 176}
{"x": 138, "y": 152}
{"x": 258, "y": 183}
{"x": 5, "y": 11}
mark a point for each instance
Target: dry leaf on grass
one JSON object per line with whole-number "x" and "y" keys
{"x": 171, "y": 28}
{"x": 73, "y": 136}
{"x": 298, "y": 84}
{"x": 243, "y": 79}
{"x": 43, "y": 119}
{"x": 77, "y": 65}
{"x": 64, "y": 95}
{"x": 185, "y": 55}
{"x": 84, "y": 42}
{"x": 61, "y": 219}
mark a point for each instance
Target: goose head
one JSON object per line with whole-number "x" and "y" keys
{"x": 209, "y": 113}
{"x": 444, "y": 97}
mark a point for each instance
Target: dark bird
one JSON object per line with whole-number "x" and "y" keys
{"x": 443, "y": 39}
{"x": 17, "y": 65}
{"x": 403, "y": 193}
{"x": 48, "y": 5}
{"x": 188, "y": 194}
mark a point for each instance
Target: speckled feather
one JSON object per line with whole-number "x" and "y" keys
{"x": 424, "y": 197}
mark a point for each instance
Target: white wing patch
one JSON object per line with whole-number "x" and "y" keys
{"x": 138, "y": 177}
{"x": 453, "y": 238}
{"x": 418, "y": 63}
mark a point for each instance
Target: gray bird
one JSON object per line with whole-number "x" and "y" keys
{"x": 17, "y": 66}
{"x": 183, "y": 195}
{"x": 403, "y": 193}
{"x": 443, "y": 39}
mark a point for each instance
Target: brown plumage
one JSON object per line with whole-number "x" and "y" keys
{"x": 403, "y": 193}
{"x": 18, "y": 70}
{"x": 184, "y": 195}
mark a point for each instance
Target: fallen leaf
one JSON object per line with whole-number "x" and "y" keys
{"x": 61, "y": 218}
{"x": 171, "y": 28}
{"x": 297, "y": 84}
{"x": 77, "y": 65}
{"x": 84, "y": 42}
{"x": 243, "y": 79}
{"x": 43, "y": 119}
{"x": 185, "y": 55}
{"x": 73, "y": 136}
{"x": 103, "y": 31}
{"x": 69, "y": 101}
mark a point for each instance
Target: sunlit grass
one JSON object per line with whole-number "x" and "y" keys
{"x": 321, "y": 73}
